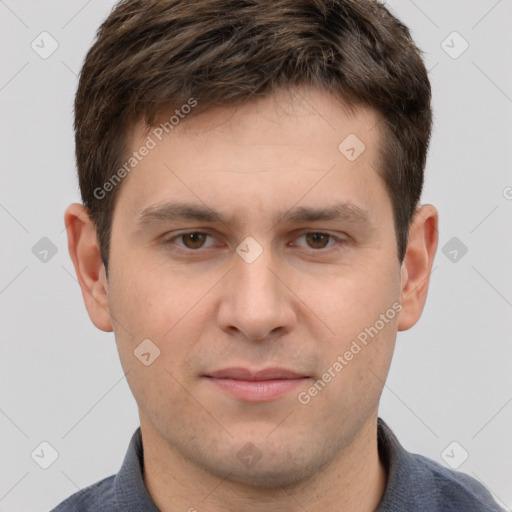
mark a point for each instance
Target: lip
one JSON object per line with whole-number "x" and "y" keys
{"x": 239, "y": 373}
{"x": 256, "y": 386}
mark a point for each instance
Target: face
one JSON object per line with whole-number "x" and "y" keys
{"x": 250, "y": 303}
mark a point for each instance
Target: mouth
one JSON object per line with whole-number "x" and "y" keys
{"x": 256, "y": 386}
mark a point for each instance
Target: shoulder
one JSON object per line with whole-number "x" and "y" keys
{"x": 455, "y": 490}
{"x": 98, "y": 496}
{"x": 416, "y": 482}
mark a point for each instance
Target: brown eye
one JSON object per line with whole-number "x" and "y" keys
{"x": 317, "y": 240}
{"x": 193, "y": 240}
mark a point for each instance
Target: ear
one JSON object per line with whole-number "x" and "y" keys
{"x": 417, "y": 265}
{"x": 85, "y": 253}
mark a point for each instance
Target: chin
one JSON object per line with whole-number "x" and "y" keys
{"x": 268, "y": 477}
{"x": 272, "y": 471}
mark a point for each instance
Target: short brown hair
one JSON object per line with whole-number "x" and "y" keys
{"x": 153, "y": 55}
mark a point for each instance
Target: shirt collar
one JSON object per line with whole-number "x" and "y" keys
{"x": 129, "y": 488}
{"x": 409, "y": 484}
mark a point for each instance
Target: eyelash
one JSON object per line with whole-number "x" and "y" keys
{"x": 338, "y": 240}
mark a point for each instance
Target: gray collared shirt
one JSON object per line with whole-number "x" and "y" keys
{"x": 414, "y": 484}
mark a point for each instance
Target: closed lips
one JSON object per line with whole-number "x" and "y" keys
{"x": 239, "y": 373}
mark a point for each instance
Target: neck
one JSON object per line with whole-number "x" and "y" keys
{"x": 354, "y": 481}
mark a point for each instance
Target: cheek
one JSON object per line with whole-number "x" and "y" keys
{"x": 361, "y": 310}
{"x": 164, "y": 307}
{"x": 353, "y": 299}
{"x": 356, "y": 366}
{"x": 149, "y": 302}
{"x": 152, "y": 307}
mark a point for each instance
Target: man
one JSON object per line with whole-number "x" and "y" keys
{"x": 251, "y": 233}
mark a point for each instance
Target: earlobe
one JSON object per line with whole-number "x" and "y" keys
{"x": 85, "y": 253}
{"x": 417, "y": 265}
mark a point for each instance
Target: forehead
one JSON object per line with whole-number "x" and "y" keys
{"x": 261, "y": 121}
{"x": 263, "y": 155}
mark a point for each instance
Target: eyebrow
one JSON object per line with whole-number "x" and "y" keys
{"x": 168, "y": 212}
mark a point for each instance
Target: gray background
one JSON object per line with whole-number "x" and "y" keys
{"x": 61, "y": 380}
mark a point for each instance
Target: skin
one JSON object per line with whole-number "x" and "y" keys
{"x": 299, "y": 305}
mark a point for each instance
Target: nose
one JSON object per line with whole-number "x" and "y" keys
{"x": 256, "y": 301}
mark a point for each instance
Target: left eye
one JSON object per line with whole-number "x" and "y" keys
{"x": 318, "y": 239}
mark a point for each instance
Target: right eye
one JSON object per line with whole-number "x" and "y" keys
{"x": 191, "y": 240}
